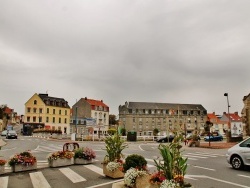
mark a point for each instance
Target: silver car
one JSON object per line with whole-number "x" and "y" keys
{"x": 239, "y": 155}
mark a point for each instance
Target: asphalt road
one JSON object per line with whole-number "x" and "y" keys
{"x": 207, "y": 168}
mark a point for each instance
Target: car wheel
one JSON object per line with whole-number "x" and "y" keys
{"x": 237, "y": 162}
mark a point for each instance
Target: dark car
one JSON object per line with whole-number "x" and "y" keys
{"x": 166, "y": 139}
{"x": 11, "y": 134}
{"x": 217, "y": 137}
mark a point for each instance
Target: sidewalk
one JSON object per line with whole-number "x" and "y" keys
{"x": 217, "y": 145}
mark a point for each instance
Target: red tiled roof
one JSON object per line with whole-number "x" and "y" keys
{"x": 96, "y": 102}
{"x": 8, "y": 110}
{"x": 234, "y": 117}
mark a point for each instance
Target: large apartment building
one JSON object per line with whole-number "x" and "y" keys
{"x": 43, "y": 111}
{"x": 90, "y": 115}
{"x": 144, "y": 117}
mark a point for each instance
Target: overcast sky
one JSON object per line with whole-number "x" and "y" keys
{"x": 162, "y": 51}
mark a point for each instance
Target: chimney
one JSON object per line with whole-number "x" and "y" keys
{"x": 236, "y": 113}
{"x": 86, "y": 98}
{"x": 224, "y": 113}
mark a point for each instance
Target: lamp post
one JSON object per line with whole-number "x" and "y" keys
{"x": 76, "y": 123}
{"x": 229, "y": 123}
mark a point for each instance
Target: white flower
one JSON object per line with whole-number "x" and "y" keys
{"x": 131, "y": 175}
{"x": 169, "y": 184}
{"x": 112, "y": 166}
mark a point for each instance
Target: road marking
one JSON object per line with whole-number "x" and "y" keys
{"x": 4, "y": 182}
{"x": 100, "y": 185}
{"x": 96, "y": 169}
{"x": 196, "y": 156}
{"x": 140, "y": 148}
{"x": 211, "y": 154}
{"x": 244, "y": 176}
{"x": 8, "y": 149}
{"x": 73, "y": 176}
{"x": 203, "y": 168}
{"x": 206, "y": 155}
{"x": 38, "y": 180}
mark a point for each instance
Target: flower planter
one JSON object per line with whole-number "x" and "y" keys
{"x": 20, "y": 167}
{"x": 113, "y": 174}
{"x": 82, "y": 161}
{"x": 193, "y": 143}
{"x": 60, "y": 162}
{"x": 143, "y": 181}
{"x": 2, "y": 167}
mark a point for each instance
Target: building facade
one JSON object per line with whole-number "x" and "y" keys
{"x": 90, "y": 116}
{"x": 219, "y": 125}
{"x": 144, "y": 117}
{"x": 235, "y": 122}
{"x": 43, "y": 111}
{"x": 245, "y": 113}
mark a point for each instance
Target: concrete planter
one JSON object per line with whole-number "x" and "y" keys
{"x": 2, "y": 167}
{"x": 20, "y": 167}
{"x": 60, "y": 162}
{"x": 116, "y": 174}
{"x": 82, "y": 161}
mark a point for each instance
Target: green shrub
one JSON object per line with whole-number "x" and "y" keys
{"x": 135, "y": 161}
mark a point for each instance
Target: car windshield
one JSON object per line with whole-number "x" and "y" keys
{"x": 244, "y": 144}
{"x": 12, "y": 132}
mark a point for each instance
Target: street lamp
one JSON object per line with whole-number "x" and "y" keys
{"x": 76, "y": 123}
{"x": 229, "y": 124}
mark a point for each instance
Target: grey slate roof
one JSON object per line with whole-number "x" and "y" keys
{"x": 45, "y": 97}
{"x": 174, "y": 106}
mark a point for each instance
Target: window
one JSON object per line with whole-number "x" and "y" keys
{"x": 35, "y": 102}
{"x": 59, "y": 120}
{"x": 34, "y": 119}
{"x": 28, "y": 109}
{"x": 47, "y": 110}
{"x": 54, "y": 111}
{"x": 40, "y": 110}
{"x": 60, "y": 111}
{"x": 65, "y": 112}
{"x": 65, "y": 120}
{"x": 54, "y": 120}
{"x": 34, "y": 110}
{"x": 28, "y": 119}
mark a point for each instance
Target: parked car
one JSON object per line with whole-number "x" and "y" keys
{"x": 218, "y": 137}
{"x": 166, "y": 139}
{"x": 4, "y": 133}
{"x": 239, "y": 155}
{"x": 11, "y": 134}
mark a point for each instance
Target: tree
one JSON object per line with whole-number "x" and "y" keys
{"x": 207, "y": 127}
{"x": 155, "y": 132}
{"x": 111, "y": 131}
{"x": 3, "y": 115}
{"x": 112, "y": 119}
{"x": 123, "y": 131}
